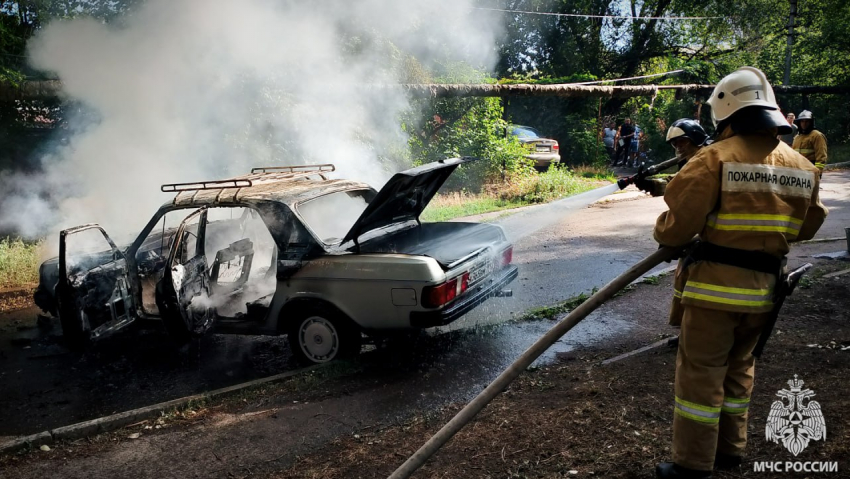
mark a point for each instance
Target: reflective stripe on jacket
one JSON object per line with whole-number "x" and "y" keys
{"x": 812, "y": 145}
{"x": 749, "y": 192}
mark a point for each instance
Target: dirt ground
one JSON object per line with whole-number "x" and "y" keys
{"x": 14, "y": 299}
{"x": 581, "y": 419}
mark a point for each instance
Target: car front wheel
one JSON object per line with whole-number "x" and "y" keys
{"x": 322, "y": 335}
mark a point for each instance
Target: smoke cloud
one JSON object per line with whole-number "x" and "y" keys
{"x": 203, "y": 89}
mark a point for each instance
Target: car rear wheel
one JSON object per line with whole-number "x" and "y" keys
{"x": 321, "y": 334}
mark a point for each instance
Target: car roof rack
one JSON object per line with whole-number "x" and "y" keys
{"x": 205, "y": 185}
{"x": 327, "y": 167}
{"x": 257, "y": 175}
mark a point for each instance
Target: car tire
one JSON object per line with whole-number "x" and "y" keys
{"x": 321, "y": 334}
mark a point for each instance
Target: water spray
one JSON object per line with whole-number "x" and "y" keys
{"x": 462, "y": 418}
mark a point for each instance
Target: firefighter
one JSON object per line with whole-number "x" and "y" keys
{"x": 810, "y": 142}
{"x": 686, "y": 136}
{"x": 747, "y": 196}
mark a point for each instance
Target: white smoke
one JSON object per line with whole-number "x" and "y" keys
{"x": 188, "y": 90}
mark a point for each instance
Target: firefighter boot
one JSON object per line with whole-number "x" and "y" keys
{"x": 727, "y": 461}
{"x": 668, "y": 470}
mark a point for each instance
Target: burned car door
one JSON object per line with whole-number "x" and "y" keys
{"x": 183, "y": 293}
{"x": 94, "y": 291}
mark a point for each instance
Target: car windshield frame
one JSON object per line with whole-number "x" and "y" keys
{"x": 528, "y": 129}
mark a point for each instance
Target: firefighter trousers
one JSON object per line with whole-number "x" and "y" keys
{"x": 714, "y": 381}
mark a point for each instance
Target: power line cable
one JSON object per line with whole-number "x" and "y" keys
{"x": 582, "y": 15}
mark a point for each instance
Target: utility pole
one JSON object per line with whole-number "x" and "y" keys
{"x": 786, "y": 80}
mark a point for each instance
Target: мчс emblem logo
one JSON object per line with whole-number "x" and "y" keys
{"x": 798, "y": 422}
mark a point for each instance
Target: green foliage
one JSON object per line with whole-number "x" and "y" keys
{"x": 466, "y": 127}
{"x": 467, "y": 205}
{"x": 515, "y": 79}
{"x": 520, "y": 190}
{"x": 543, "y": 49}
{"x": 18, "y": 263}
{"x": 583, "y": 145}
{"x": 556, "y": 182}
{"x": 552, "y": 312}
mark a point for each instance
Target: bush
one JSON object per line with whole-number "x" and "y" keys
{"x": 582, "y": 145}
{"x": 555, "y": 183}
{"x": 18, "y": 263}
{"x": 468, "y": 127}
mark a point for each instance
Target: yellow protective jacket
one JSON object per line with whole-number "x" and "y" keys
{"x": 748, "y": 192}
{"x": 812, "y": 145}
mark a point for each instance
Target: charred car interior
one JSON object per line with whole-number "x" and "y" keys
{"x": 282, "y": 250}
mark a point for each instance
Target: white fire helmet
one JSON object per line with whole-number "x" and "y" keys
{"x": 745, "y": 87}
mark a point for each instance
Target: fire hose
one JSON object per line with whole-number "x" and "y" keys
{"x": 645, "y": 172}
{"x": 414, "y": 462}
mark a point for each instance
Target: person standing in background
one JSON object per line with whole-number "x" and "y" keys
{"x": 633, "y": 151}
{"x": 810, "y": 142}
{"x": 608, "y": 136}
{"x": 789, "y": 138}
{"x": 626, "y": 134}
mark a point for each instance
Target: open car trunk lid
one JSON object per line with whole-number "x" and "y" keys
{"x": 405, "y": 196}
{"x": 449, "y": 243}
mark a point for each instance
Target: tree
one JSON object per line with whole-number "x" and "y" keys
{"x": 740, "y": 32}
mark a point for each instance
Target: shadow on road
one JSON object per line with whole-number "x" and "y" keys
{"x": 45, "y": 385}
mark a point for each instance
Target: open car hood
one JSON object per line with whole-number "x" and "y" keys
{"x": 405, "y": 196}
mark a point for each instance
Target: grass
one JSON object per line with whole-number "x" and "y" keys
{"x": 18, "y": 263}
{"x": 552, "y": 312}
{"x": 519, "y": 191}
{"x": 594, "y": 172}
{"x": 448, "y": 206}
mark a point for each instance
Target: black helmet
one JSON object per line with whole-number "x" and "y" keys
{"x": 689, "y": 128}
{"x": 805, "y": 115}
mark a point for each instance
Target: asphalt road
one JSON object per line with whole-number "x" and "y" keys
{"x": 563, "y": 248}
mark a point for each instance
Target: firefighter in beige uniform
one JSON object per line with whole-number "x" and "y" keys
{"x": 810, "y": 142}
{"x": 746, "y": 196}
{"x": 686, "y": 136}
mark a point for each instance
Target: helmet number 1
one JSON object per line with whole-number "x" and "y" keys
{"x": 757, "y": 95}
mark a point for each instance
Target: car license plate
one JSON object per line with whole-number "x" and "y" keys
{"x": 480, "y": 272}
{"x": 543, "y": 149}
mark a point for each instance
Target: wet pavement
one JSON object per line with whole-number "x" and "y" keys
{"x": 45, "y": 385}
{"x": 560, "y": 255}
{"x": 581, "y": 248}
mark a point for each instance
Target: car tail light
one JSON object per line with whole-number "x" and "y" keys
{"x": 464, "y": 283}
{"x": 555, "y": 147}
{"x": 436, "y": 296}
{"x": 507, "y": 256}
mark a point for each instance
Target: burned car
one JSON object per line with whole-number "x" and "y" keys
{"x": 278, "y": 252}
